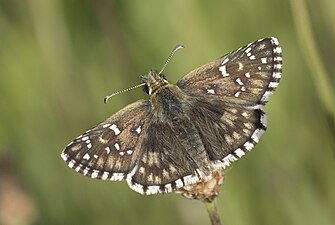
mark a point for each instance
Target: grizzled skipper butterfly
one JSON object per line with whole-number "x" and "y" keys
{"x": 213, "y": 115}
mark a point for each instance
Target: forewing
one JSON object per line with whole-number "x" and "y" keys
{"x": 246, "y": 76}
{"x": 109, "y": 151}
{"x": 227, "y": 132}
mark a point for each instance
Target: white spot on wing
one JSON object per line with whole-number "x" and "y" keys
{"x": 277, "y": 50}
{"x": 231, "y": 158}
{"x": 248, "y": 50}
{"x": 275, "y": 41}
{"x": 266, "y": 96}
{"x": 85, "y": 138}
{"x": 248, "y": 145}
{"x": 240, "y": 66}
{"x": 137, "y": 187}
{"x": 129, "y": 152}
{"x": 278, "y": 58}
{"x": 210, "y": 91}
{"x": 276, "y": 75}
{"x": 94, "y": 174}
{"x": 257, "y": 134}
{"x": 115, "y": 129}
{"x": 85, "y": 172}
{"x": 108, "y": 150}
{"x": 190, "y": 179}
{"x": 273, "y": 84}
{"x": 263, "y": 60}
{"x": 223, "y": 163}
{"x": 117, "y": 176}
{"x": 141, "y": 170}
{"x": 224, "y": 71}
{"x": 64, "y": 156}
{"x": 264, "y": 119}
{"x": 117, "y": 146}
{"x": 105, "y": 175}
{"x": 78, "y": 167}
{"x": 238, "y": 80}
{"x": 225, "y": 61}
{"x": 138, "y": 130}
{"x": 106, "y": 125}
{"x": 86, "y": 156}
{"x": 71, "y": 163}
{"x": 239, "y": 152}
{"x": 179, "y": 183}
{"x": 152, "y": 190}
{"x": 278, "y": 66}
{"x": 168, "y": 187}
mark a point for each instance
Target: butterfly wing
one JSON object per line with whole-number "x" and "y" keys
{"x": 228, "y": 98}
{"x": 227, "y": 132}
{"x": 167, "y": 162}
{"x": 109, "y": 151}
{"x": 246, "y": 76}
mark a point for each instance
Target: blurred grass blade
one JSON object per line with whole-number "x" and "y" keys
{"x": 312, "y": 55}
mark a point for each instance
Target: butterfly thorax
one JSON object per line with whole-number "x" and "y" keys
{"x": 166, "y": 98}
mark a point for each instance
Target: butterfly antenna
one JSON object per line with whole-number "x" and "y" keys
{"x": 179, "y": 46}
{"x": 119, "y": 92}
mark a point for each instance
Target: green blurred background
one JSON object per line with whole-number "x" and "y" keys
{"x": 59, "y": 58}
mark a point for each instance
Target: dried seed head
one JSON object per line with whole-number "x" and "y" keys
{"x": 206, "y": 189}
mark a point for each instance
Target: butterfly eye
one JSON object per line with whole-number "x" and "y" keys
{"x": 146, "y": 88}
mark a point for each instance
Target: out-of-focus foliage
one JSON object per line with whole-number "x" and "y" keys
{"x": 58, "y": 58}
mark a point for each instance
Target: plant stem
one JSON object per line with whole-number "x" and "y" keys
{"x": 213, "y": 212}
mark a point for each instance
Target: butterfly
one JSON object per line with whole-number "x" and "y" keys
{"x": 211, "y": 117}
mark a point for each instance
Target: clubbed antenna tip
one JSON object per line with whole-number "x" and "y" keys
{"x": 179, "y": 46}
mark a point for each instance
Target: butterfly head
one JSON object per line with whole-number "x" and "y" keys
{"x": 153, "y": 81}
